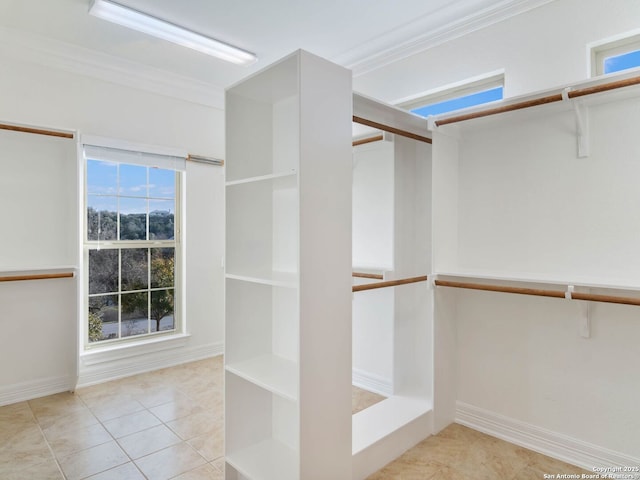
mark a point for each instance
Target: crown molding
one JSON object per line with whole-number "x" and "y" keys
{"x": 440, "y": 27}
{"x": 447, "y": 24}
{"x": 32, "y": 48}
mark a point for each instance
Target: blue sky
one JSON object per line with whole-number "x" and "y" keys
{"x": 457, "y": 103}
{"x": 103, "y": 187}
{"x": 622, "y": 62}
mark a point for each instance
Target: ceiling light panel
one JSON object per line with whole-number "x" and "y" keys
{"x": 127, "y": 17}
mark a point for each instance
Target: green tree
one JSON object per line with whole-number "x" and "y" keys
{"x": 101, "y": 225}
{"x": 162, "y": 301}
{"x": 162, "y": 275}
{"x": 95, "y": 327}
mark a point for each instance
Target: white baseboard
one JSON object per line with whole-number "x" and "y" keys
{"x": 104, "y": 371}
{"x": 555, "y": 445}
{"x": 20, "y": 392}
{"x": 372, "y": 382}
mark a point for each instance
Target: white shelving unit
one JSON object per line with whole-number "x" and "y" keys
{"x": 288, "y": 275}
{"x": 387, "y": 429}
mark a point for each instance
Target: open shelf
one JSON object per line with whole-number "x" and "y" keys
{"x": 264, "y": 326}
{"x": 262, "y": 178}
{"x": 263, "y": 122}
{"x": 525, "y": 279}
{"x": 262, "y": 229}
{"x": 262, "y": 429}
{"x": 276, "y": 279}
{"x": 376, "y": 422}
{"x": 265, "y": 460}
{"x": 563, "y": 290}
{"x": 271, "y": 372}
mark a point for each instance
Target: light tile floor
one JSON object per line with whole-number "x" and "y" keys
{"x": 168, "y": 425}
{"x": 460, "y": 453}
{"x": 162, "y": 425}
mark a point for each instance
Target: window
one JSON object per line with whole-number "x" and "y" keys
{"x": 132, "y": 252}
{"x": 449, "y": 99}
{"x": 616, "y": 56}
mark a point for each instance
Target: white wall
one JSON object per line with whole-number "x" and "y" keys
{"x": 42, "y": 96}
{"x": 528, "y": 207}
{"x": 523, "y": 358}
{"x": 543, "y": 48}
{"x": 373, "y": 206}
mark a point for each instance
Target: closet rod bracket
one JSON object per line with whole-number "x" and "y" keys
{"x": 568, "y": 292}
{"x": 581, "y": 115}
{"x": 585, "y": 319}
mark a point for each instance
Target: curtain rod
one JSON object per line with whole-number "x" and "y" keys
{"x": 390, "y": 283}
{"x": 387, "y": 128}
{"x": 43, "y": 276}
{"x": 541, "y": 293}
{"x": 37, "y": 131}
{"x": 205, "y": 160}
{"x": 556, "y": 97}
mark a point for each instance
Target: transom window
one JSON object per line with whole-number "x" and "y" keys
{"x": 131, "y": 244}
{"x": 457, "y": 97}
{"x": 458, "y": 103}
{"x": 616, "y": 56}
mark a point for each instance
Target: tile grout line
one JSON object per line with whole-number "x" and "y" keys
{"x": 190, "y": 395}
{"x": 162, "y": 422}
{"x": 46, "y": 440}
{"x": 114, "y": 439}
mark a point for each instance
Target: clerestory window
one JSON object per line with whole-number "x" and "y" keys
{"x": 457, "y": 97}
{"x": 615, "y": 56}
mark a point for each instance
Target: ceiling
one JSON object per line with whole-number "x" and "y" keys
{"x": 361, "y": 35}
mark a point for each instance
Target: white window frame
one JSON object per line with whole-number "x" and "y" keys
{"x": 179, "y": 330}
{"x": 469, "y": 86}
{"x": 599, "y": 51}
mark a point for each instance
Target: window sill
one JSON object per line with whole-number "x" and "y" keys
{"x": 133, "y": 349}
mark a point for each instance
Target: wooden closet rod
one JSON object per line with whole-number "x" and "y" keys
{"x": 605, "y": 298}
{"x": 37, "y": 131}
{"x": 43, "y": 276}
{"x": 375, "y": 276}
{"x": 557, "y": 97}
{"x": 499, "y": 288}
{"x": 592, "y": 297}
{"x": 387, "y": 128}
{"x": 362, "y": 141}
{"x": 389, "y": 283}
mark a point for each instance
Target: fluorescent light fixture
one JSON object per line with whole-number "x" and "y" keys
{"x": 142, "y": 22}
